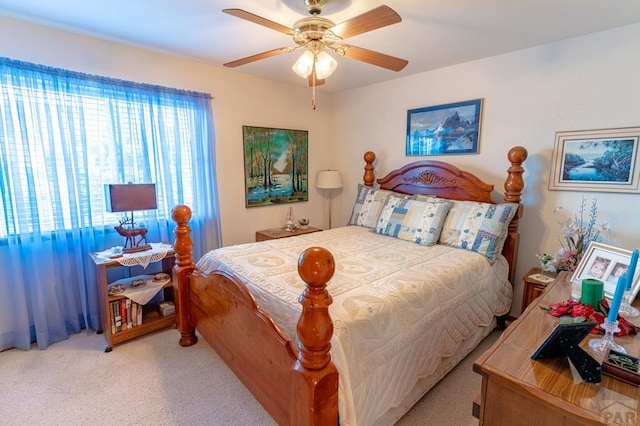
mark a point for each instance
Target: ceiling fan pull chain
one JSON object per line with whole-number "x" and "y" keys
{"x": 313, "y": 86}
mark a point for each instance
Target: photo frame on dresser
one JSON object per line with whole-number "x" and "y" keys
{"x": 604, "y": 160}
{"x": 606, "y": 263}
{"x": 444, "y": 129}
{"x": 276, "y": 165}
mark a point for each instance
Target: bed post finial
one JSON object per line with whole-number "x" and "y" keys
{"x": 369, "y": 158}
{"x": 513, "y": 186}
{"x": 182, "y": 269}
{"x": 315, "y": 378}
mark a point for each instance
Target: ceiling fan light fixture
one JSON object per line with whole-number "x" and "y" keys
{"x": 325, "y": 65}
{"x": 304, "y": 65}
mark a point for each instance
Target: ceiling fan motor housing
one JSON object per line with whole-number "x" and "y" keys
{"x": 316, "y": 29}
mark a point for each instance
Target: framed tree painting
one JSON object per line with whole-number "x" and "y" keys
{"x": 444, "y": 129}
{"x": 276, "y": 167}
{"x": 604, "y": 160}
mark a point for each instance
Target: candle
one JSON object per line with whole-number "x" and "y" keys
{"x": 617, "y": 298}
{"x": 591, "y": 292}
{"x": 632, "y": 268}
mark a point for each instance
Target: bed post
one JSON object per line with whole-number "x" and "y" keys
{"x": 369, "y": 177}
{"x": 182, "y": 269}
{"x": 314, "y": 382}
{"x": 513, "y": 186}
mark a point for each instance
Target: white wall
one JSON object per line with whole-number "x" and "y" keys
{"x": 239, "y": 100}
{"x": 584, "y": 83}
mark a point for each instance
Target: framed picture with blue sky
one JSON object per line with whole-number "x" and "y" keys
{"x": 603, "y": 160}
{"x": 444, "y": 129}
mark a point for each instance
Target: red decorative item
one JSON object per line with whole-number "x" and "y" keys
{"x": 572, "y": 309}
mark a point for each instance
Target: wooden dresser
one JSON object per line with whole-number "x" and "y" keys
{"x": 517, "y": 390}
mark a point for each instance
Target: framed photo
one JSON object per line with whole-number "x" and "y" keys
{"x": 444, "y": 129}
{"x": 606, "y": 263}
{"x": 276, "y": 167}
{"x": 603, "y": 160}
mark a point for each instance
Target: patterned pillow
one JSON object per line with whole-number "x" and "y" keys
{"x": 357, "y": 207}
{"x": 419, "y": 221}
{"x": 479, "y": 227}
{"x": 372, "y": 207}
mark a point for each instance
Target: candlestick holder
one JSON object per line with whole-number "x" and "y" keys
{"x": 606, "y": 342}
{"x": 625, "y": 307}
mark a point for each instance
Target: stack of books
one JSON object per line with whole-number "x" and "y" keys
{"x": 125, "y": 314}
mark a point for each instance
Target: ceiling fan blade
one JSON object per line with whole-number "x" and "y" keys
{"x": 375, "y": 58}
{"x": 257, "y": 57}
{"x": 372, "y": 20}
{"x": 243, "y": 14}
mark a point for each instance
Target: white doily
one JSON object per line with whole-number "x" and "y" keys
{"x": 143, "y": 258}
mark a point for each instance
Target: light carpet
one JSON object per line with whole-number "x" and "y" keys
{"x": 151, "y": 380}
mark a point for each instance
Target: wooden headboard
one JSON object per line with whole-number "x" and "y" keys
{"x": 443, "y": 180}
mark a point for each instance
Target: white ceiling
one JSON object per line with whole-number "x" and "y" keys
{"x": 433, "y": 33}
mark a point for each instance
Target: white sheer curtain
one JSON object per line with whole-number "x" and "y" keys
{"x": 63, "y": 136}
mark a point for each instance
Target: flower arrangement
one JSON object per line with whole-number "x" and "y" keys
{"x": 578, "y": 231}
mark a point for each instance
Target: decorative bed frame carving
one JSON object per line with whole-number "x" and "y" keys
{"x": 299, "y": 386}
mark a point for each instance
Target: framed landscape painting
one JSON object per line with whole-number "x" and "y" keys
{"x": 275, "y": 165}
{"x": 603, "y": 160}
{"x": 444, "y": 129}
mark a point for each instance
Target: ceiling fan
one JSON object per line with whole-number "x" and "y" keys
{"x": 317, "y": 35}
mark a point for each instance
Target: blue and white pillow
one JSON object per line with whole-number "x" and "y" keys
{"x": 357, "y": 206}
{"x": 374, "y": 201}
{"x": 413, "y": 220}
{"x": 479, "y": 227}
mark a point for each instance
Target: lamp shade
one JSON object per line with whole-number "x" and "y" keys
{"x": 130, "y": 197}
{"x": 304, "y": 64}
{"x": 325, "y": 65}
{"x": 329, "y": 179}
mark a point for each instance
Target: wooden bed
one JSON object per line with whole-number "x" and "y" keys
{"x": 299, "y": 385}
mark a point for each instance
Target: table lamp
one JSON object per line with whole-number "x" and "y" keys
{"x": 329, "y": 180}
{"x": 129, "y": 198}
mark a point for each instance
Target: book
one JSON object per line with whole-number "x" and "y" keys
{"x": 129, "y": 319}
{"x": 116, "y": 315}
{"x": 123, "y": 313}
{"x": 134, "y": 313}
{"x": 139, "y": 314}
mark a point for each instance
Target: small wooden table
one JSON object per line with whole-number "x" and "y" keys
{"x": 517, "y": 390}
{"x": 534, "y": 286}
{"x": 275, "y": 233}
{"x": 152, "y": 320}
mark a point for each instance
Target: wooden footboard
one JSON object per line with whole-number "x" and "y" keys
{"x": 297, "y": 386}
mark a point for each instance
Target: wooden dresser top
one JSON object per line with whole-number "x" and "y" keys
{"x": 551, "y": 380}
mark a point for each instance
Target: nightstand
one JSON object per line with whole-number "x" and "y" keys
{"x": 275, "y": 233}
{"x": 117, "y": 319}
{"x": 533, "y": 286}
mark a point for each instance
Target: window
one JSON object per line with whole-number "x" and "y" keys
{"x": 63, "y": 135}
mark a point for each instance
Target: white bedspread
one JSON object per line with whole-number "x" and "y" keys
{"x": 398, "y": 307}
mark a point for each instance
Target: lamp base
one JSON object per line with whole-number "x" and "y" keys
{"x": 136, "y": 249}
